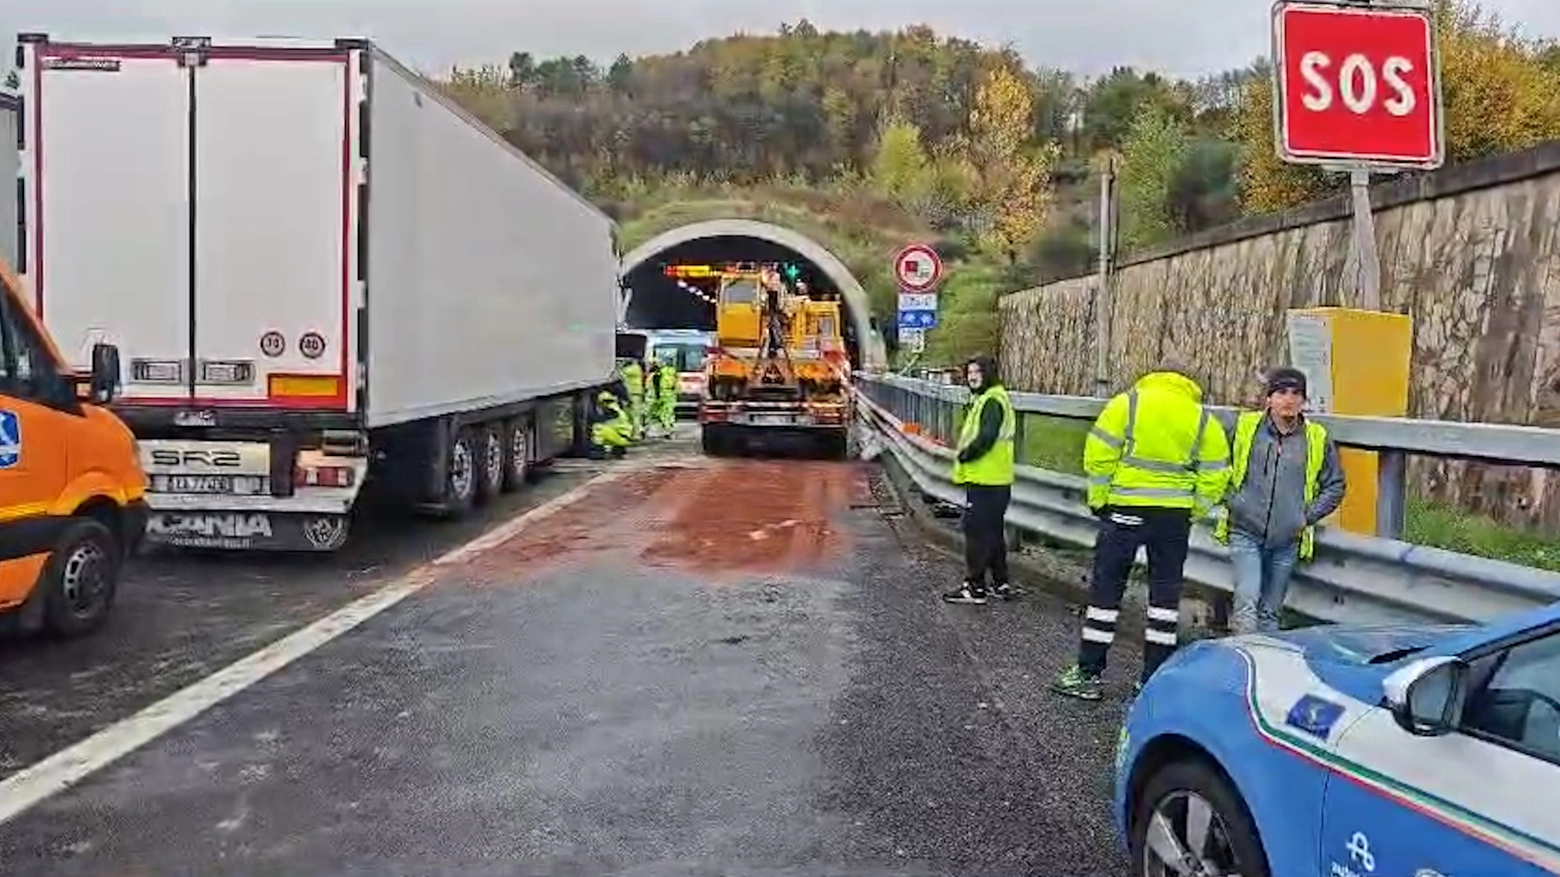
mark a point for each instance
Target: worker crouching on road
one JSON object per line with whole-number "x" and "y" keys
{"x": 610, "y": 427}
{"x": 984, "y": 466}
{"x": 1285, "y": 478}
{"x": 1155, "y": 461}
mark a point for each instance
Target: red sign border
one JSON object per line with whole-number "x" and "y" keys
{"x": 937, "y": 265}
{"x": 1280, "y": 123}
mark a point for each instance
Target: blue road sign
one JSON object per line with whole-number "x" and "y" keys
{"x": 10, "y": 439}
{"x": 917, "y": 319}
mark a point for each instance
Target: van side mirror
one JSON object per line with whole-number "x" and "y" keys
{"x": 105, "y": 373}
{"x": 1426, "y": 697}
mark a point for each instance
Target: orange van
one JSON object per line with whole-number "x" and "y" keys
{"x": 71, "y": 484}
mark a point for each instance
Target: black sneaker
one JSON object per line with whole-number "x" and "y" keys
{"x": 1005, "y": 591}
{"x": 966, "y": 594}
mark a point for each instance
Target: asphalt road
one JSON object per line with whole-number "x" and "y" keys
{"x": 701, "y": 667}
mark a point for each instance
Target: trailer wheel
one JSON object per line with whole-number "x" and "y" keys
{"x": 80, "y": 579}
{"x": 490, "y": 480}
{"x": 517, "y": 455}
{"x": 461, "y": 473}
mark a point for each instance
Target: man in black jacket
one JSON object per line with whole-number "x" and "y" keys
{"x": 985, "y": 468}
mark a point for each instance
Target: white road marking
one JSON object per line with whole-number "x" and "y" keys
{"x": 27, "y": 788}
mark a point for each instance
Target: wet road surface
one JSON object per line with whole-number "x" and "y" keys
{"x": 700, "y": 667}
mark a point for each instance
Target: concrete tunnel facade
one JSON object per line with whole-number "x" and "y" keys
{"x": 858, "y": 308}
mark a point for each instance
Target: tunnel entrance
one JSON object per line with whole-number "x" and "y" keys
{"x": 664, "y": 294}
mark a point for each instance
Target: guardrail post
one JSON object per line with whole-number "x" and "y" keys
{"x": 1018, "y": 436}
{"x": 1391, "y": 493}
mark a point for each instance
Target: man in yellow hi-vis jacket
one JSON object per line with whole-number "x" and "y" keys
{"x": 984, "y": 466}
{"x": 1156, "y": 460}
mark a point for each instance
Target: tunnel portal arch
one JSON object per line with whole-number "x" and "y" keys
{"x": 858, "y": 307}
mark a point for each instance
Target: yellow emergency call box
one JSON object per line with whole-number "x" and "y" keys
{"x": 1356, "y": 363}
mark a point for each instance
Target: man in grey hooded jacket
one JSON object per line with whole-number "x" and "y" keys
{"x": 1285, "y": 479}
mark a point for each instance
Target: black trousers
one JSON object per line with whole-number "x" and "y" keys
{"x": 985, "y": 535}
{"x": 1164, "y": 533}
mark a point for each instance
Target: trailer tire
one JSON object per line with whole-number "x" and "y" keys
{"x": 80, "y": 579}
{"x": 490, "y": 474}
{"x": 517, "y": 455}
{"x": 461, "y": 473}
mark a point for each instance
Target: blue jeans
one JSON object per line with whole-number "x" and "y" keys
{"x": 1261, "y": 581}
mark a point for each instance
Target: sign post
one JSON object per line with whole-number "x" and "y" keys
{"x": 1357, "y": 90}
{"x": 918, "y": 269}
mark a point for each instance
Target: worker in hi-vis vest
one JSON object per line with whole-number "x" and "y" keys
{"x": 984, "y": 467}
{"x": 1155, "y": 461}
{"x": 1285, "y": 477}
{"x": 610, "y": 427}
{"x": 664, "y": 408}
{"x": 634, "y": 386}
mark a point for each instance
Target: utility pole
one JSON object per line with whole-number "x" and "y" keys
{"x": 1102, "y": 283}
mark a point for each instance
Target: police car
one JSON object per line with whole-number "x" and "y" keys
{"x": 1405, "y": 751}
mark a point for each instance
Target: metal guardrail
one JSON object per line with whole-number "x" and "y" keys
{"x": 1354, "y": 578}
{"x": 1395, "y": 439}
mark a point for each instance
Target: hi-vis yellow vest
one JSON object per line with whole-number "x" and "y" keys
{"x": 634, "y": 379}
{"x": 1246, "y": 427}
{"x": 995, "y": 467}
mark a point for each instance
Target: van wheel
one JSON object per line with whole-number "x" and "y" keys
{"x": 1188, "y": 813}
{"x": 80, "y": 579}
{"x": 490, "y": 463}
{"x": 461, "y": 474}
{"x": 517, "y": 456}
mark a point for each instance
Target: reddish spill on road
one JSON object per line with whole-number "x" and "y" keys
{"x": 727, "y": 516}
{"x": 592, "y": 523}
{"x": 755, "y": 516}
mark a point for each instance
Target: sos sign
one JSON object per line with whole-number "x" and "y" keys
{"x": 1356, "y": 85}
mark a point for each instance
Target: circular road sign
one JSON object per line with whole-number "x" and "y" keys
{"x": 918, "y": 268}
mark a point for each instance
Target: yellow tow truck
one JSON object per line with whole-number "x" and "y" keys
{"x": 779, "y": 366}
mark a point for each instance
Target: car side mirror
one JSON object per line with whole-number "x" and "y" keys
{"x": 105, "y": 372}
{"x": 1426, "y": 696}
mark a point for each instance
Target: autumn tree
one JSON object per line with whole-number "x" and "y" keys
{"x": 899, "y": 169}
{"x": 485, "y": 92}
{"x": 1501, "y": 93}
{"x": 1156, "y": 144}
{"x": 1012, "y": 172}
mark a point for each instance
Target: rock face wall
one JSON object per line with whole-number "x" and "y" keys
{"x": 1471, "y": 253}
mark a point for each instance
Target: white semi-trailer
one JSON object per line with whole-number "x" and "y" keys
{"x": 321, "y": 272}
{"x": 10, "y": 134}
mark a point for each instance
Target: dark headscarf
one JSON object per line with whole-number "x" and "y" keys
{"x": 988, "y": 370}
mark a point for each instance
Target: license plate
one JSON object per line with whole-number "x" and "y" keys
{"x": 225, "y": 484}
{"x": 771, "y": 419}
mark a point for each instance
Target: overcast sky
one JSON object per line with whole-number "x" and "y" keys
{"x": 1183, "y": 37}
